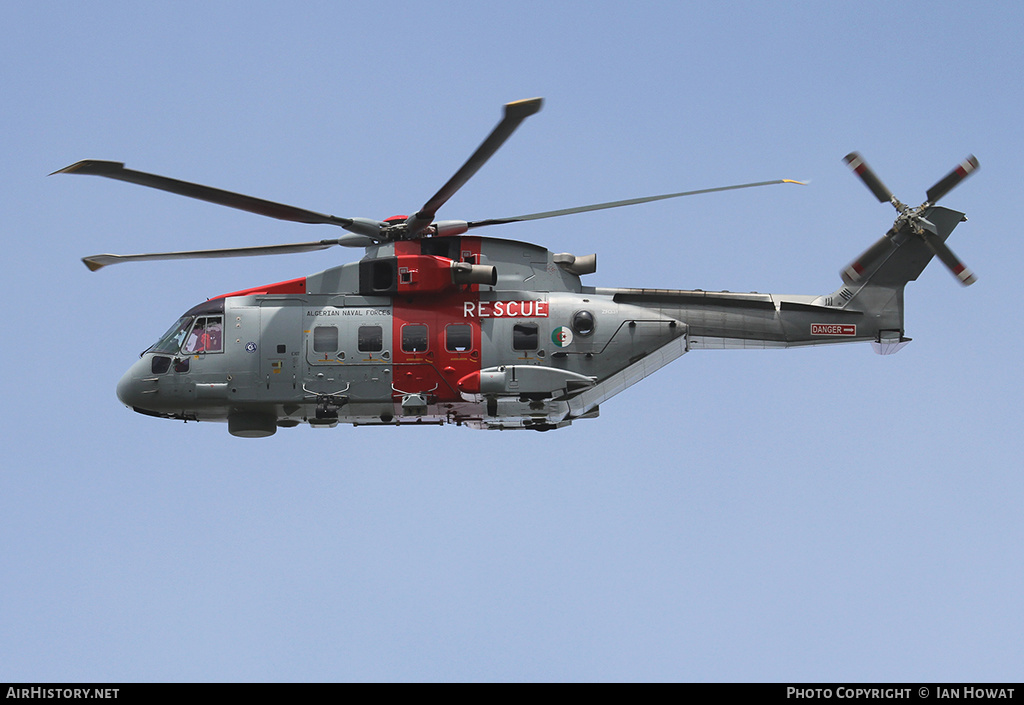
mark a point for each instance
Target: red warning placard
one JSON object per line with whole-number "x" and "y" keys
{"x": 833, "y": 329}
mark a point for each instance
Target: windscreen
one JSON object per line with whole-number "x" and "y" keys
{"x": 170, "y": 342}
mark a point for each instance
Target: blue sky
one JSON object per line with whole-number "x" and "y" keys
{"x": 820, "y": 514}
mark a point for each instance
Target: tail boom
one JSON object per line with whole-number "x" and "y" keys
{"x": 868, "y": 307}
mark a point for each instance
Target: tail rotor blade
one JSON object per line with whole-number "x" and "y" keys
{"x": 964, "y": 275}
{"x": 855, "y": 271}
{"x": 950, "y": 180}
{"x": 874, "y": 184}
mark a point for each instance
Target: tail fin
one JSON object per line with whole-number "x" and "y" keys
{"x": 874, "y": 282}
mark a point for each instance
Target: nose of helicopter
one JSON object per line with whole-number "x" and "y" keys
{"x": 130, "y": 388}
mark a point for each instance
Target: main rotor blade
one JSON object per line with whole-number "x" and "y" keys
{"x": 98, "y": 261}
{"x": 948, "y": 182}
{"x": 515, "y": 113}
{"x": 942, "y": 251}
{"x": 627, "y": 202}
{"x": 281, "y": 211}
{"x": 870, "y": 179}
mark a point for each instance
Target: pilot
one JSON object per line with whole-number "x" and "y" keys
{"x": 196, "y": 337}
{"x": 213, "y": 335}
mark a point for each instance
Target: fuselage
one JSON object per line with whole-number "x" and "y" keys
{"x": 396, "y": 338}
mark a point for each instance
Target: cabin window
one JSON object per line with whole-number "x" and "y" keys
{"x": 160, "y": 364}
{"x": 371, "y": 339}
{"x": 525, "y": 336}
{"x": 205, "y": 336}
{"x": 325, "y": 338}
{"x": 414, "y": 338}
{"x": 458, "y": 337}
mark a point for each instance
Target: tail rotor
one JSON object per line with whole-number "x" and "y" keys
{"x": 911, "y": 221}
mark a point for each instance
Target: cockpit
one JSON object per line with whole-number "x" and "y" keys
{"x": 200, "y": 330}
{"x": 162, "y": 383}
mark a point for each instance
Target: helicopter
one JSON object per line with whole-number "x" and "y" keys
{"x": 437, "y": 326}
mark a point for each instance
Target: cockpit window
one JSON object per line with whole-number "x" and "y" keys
{"x": 170, "y": 342}
{"x": 209, "y": 312}
{"x": 205, "y": 336}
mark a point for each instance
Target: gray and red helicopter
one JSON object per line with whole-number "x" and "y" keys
{"x": 434, "y": 325}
